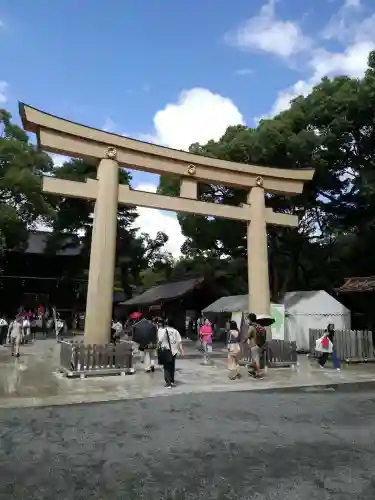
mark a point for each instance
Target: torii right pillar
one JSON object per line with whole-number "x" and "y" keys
{"x": 257, "y": 252}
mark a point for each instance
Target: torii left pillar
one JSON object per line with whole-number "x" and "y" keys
{"x": 99, "y": 303}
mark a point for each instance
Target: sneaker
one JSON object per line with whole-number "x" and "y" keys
{"x": 152, "y": 368}
{"x": 168, "y": 386}
{"x": 173, "y": 384}
{"x": 338, "y": 369}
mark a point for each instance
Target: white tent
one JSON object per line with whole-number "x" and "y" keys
{"x": 314, "y": 309}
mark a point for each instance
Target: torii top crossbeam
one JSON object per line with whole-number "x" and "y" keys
{"x": 68, "y": 138}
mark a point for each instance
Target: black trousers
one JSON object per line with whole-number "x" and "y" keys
{"x": 322, "y": 360}
{"x": 169, "y": 370}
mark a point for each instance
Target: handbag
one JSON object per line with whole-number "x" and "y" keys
{"x": 165, "y": 355}
{"x": 199, "y": 344}
{"x": 324, "y": 345}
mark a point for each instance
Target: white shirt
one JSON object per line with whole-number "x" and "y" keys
{"x": 15, "y": 329}
{"x": 117, "y": 326}
{"x": 174, "y": 338}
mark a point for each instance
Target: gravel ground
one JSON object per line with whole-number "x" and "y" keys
{"x": 294, "y": 445}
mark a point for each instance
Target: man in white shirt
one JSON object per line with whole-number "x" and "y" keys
{"x": 170, "y": 344}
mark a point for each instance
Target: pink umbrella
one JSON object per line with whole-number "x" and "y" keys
{"x": 135, "y": 315}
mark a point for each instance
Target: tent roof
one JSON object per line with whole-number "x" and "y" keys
{"x": 313, "y": 302}
{"x": 164, "y": 292}
{"x": 232, "y": 303}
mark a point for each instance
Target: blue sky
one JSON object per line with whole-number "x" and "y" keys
{"x": 175, "y": 71}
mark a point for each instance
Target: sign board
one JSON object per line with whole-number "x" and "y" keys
{"x": 278, "y": 328}
{"x": 278, "y": 314}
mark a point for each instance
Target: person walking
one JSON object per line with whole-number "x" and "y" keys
{"x": 257, "y": 342}
{"x": 205, "y": 334}
{"x": 169, "y": 346}
{"x": 234, "y": 351}
{"x": 322, "y": 360}
{"x": 15, "y": 334}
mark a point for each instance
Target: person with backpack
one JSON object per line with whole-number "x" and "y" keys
{"x": 257, "y": 342}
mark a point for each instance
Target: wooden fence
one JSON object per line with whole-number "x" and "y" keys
{"x": 352, "y": 346}
{"x": 79, "y": 359}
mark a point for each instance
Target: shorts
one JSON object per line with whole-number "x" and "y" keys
{"x": 255, "y": 354}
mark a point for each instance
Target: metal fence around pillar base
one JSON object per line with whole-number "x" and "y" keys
{"x": 352, "y": 346}
{"x": 79, "y": 359}
{"x": 278, "y": 354}
{"x": 281, "y": 353}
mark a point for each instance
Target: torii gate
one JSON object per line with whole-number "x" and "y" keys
{"x": 61, "y": 136}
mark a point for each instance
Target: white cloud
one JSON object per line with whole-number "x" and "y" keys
{"x": 59, "y": 160}
{"x": 243, "y": 72}
{"x": 266, "y": 33}
{"x": 151, "y": 221}
{"x": 198, "y": 116}
{"x": 358, "y": 37}
{"x": 352, "y": 3}
{"x": 109, "y": 125}
{"x": 3, "y": 91}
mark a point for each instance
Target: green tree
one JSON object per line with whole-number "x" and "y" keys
{"x": 22, "y": 203}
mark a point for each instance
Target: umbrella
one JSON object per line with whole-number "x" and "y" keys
{"x": 135, "y": 315}
{"x": 145, "y": 333}
{"x": 265, "y": 320}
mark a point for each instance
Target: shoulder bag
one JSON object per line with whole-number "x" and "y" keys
{"x": 165, "y": 355}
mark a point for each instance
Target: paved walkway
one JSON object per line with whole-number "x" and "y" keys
{"x": 233, "y": 446}
{"x": 32, "y": 380}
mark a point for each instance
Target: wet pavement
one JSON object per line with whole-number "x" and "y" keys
{"x": 33, "y": 380}
{"x": 213, "y": 446}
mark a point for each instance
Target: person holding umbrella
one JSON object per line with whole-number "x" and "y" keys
{"x": 145, "y": 334}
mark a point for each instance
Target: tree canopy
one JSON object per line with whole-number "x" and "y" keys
{"x": 330, "y": 130}
{"x": 22, "y": 203}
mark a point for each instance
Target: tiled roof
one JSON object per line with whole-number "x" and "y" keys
{"x": 360, "y": 284}
{"x": 167, "y": 291}
{"x": 232, "y": 303}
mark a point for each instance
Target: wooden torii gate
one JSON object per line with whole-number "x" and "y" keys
{"x": 61, "y": 136}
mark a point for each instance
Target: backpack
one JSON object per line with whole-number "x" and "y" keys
{"x": 260, "y": 335}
